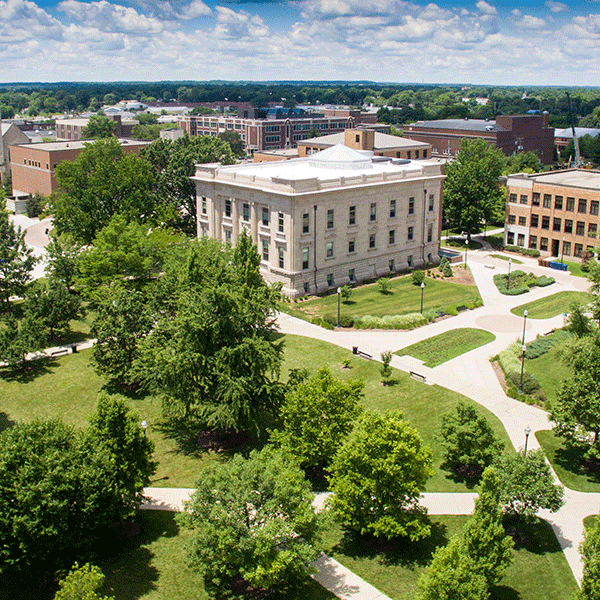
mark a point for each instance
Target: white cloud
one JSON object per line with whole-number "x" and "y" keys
{"x": 22, "y": 20}
{"x": 527, "y": 21}
{"x": 195, "y": 9}
{"x": 555, "y": 7}
{"x": 486, "y": 8}
{"x": 590, "y": 23}
{"x": 231, "y": 24}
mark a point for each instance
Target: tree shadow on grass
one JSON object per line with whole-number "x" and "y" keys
{"x": 572, "y": 459}
{"x": 503, "y": 592}
{"x": 29, "y": 371}
{"x": 535, "y": 536}
{"x": 395, "y": 551}
{"x": 5, "y": 422}
{"x": 130, "y": 391}
{"x": 467, "y": 478}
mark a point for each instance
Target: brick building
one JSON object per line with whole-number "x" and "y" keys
{"x": 32, "y": 165}
{"x": 11, "y": 134}
{"x": 556, "y": 213}
{"x": 510, "y": 133}
{"x": 72, "y": 129}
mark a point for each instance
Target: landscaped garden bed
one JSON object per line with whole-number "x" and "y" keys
{"x": 520, "y": 282}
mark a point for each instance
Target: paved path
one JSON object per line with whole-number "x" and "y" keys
{"x": 36, "y": 238}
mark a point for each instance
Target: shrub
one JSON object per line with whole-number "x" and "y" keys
{"x": 530, "y": 382}
{"x": 330, "y": 320}
{"x": 544, "y": 280}
{"x": 542, "y": 345}
{"x": 35, "y": 206}
{"x": 346, "y": 292}
{"x": 409, "y": 321}
{"x": 509, "y": 359}
{"x": 523, "y": 251}
{"x": 418, "y": 277}
{"x": 346, "y": 321}
{"x": 384, "y": 285}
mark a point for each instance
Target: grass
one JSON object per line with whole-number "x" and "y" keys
{"x": 575, "y": 269}
{"x": 459, "y": 243}
{"x": 403, "y": 297}
{"x": 496, "y": 240}
{"x": 438, "y": 349}
{"x": 549, "y": 370}
{"x": 539, "y": 571}
{"x": 515, "y": 261}
{"x": 551, "y": 306}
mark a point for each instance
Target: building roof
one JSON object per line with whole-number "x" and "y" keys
{"x": 579, "y": 132}
{"x": 579, "y": 178}
{"x": 77, "y": 144}
{"x": 460, "y": 124}
{"x": 78, "y": 122}
{"x": 383, "y": 141}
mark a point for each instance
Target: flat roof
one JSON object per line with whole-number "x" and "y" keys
{"x": 582, "y": 178}
{"x": 78, "y": 144}
{"x": 460, "y": 124}
{"x": 383, "y": 141}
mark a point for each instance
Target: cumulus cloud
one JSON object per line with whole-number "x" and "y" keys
{"x": 555, "y": 7}
{"x": 486, "y": 8}
{"x": 231, "y": 24}
{"x": 527, "y": 21}
{"x": 21, "y": 20}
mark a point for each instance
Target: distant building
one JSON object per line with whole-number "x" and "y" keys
{"x": 11, "y": 134}
{"x": 562, "y": 137}
{"x": 557, "y": 213}
{"x": 32, "y": 165}
{"x": 512, "y": 133}
{"x": 329, "y": 219}
{"x": 72, "y": 129}
{"x": 171, "y": 134}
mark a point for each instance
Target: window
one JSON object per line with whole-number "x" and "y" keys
{"x": 330, "y": 218}
{"x": 580, "y": 228}
{"x": 391, "y": 265}
{"x": 568, "y": 226}
{"x": 547, "y": 201}
{"x": 246, "y": 212}
{"x": 431, "y": 202}
{"x": 352, "y": 215}
{"x": 556, "y": 224}
{"x": 329, "y": 252}
{"x": 545, "y": 222}
{"x": 594, "y": 207}
{"x": 305, "y": 286}
{"x": 408, "y": 154}
{"x": 558, "y": 202}
{"x": 265, "y": 249}
{"x": 578, "y": 250}
{"x": 592, "y": 230}
{"x": 512, "y": 219}
{"x": 281, "y": 256}
{"x": 411, "y": 206}
{"x": 392, "y": 236}
{"x": 305, "y": 227}
{"x": 228, "y": 207}
{"x": 265, "y": 216}
{"x": 305, "y": 258}
{"x": 535, "y": 221}
{"x": 416, "y": 154}
{"x": 521, "y": 239}
{"x": 544, "y": 244}
{"x": 582, "y": 206}
{"x": 510, "y": 238}
{"x": 533, "y": 241}
{"x": 571, "y": 204}
{"x": 351, "y": 274}
{"x": 228, "y": 236}
{"x": 523, "y": 221}
{"x": 409, "y": 260}
{"x": 357, "y": 138}
{"x": 512, "y": 198}
{"x": 329, "y": 279}
{"x": 392, "y": 209}
{"x": 535, "y": 199}
{"x": 524, "y": 199}
{"x": 203, "y": 205}
{"x": 566, "y": 248}
{"x": 424, "y": 153}
{"x": 351, "y": 247}
{"x": 410, "y": 233}
{"x": 429, "y": 232}
{"x": 280, "y": 222}
{"x": 373, "y": 213}
{"x": 372, "y": 241}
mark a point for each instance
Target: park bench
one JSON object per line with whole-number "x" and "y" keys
{"x": 418, "y": 376}
{"x": 59, "y": 352}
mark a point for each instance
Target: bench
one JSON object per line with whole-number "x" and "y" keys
{"x": 365, "y": 355}
{"x": 489, "y": 266}
{"x": 59, "y": 352}
{"x": 418, "y": 376}
{"x": 461, "y": 308}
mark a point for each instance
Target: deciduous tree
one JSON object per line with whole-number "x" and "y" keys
{"x": 82, "y": 583}
{"x": 98, "y": 127}
{"x": 590, "y": 554}
{"x": 19, "y": 338}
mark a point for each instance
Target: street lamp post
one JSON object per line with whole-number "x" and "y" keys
{"x": 144, "y": 427}
{"x": 527, "y": 432}
{"x": 339, "y": 291}
{"x": 525, "y": 313}
{"x": 466, "y": 251}
{"x": 509, "y": 265}
{"x": 523, "y": 349}
{"x": 422, "y": 288}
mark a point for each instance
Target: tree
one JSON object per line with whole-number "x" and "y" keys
{"x": 99, "y": 127}
{"x": 523, "y": 162}
{"x": 578, "y": 322}
{"x": 346, "y": 293}
{"x": 590, "y": 555}
{"x": 62, "y": 253}
{"x": 82, "y": 583}
{"x": 452, "y": 576}
{"x": 377, "y": 477}
{"x": 19, "y": 338}
{"x": 471, "y": 191}
{"x": 527, "y": 484}
{"x": 16, "y": 260}
{"x": 99, "y": 183}
{"x": 252, "y": 519}
{"x": 467, "y": 439}
{"x": 317, "y": 416}
{"x": 484, "y": 538}
{"x": 386, "y": 370}
{"x": 235, "y": 141}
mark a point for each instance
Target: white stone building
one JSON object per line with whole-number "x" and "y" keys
{"x": 336, "y": 217}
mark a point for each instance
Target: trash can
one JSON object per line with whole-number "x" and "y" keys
{"x": 354, "y": 349}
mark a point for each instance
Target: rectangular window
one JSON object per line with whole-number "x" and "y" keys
{"x": 330, "y": 218}
{"x": 568, "y": 226}
{"x": 305, "y": 286}
{"x": 372, "y": 241}
{"x": 545, "y": 222}
{"x": 305, "y": 226}
{"x": 373, "y": 213}
{"x": 424, "y": 153}
{"x": 392, "y": 236}
{"x": 535, "y": 199}
{"x": 351, "y": 274}
{"x": 329, "y": 252}
{"x": 512, "y": 198}
{"x": 329, "y": 279}
{"x": 578, "y": 250}
{"x": 558, "y": 202}
{"x": 391, "y": 265}
{"x": 535, "y": 221}
{"x": 510, "y": 238}
{"x": 351, "y": 246}
{"x": 416, "y": 154}
{"x": 582, "y": 206}
{"x": 580, "y": 228}
{"x": 228, "y": 207}
{"x": 544, "y": 244}
{"x": 594, "y": 207}
{"x": 571, "y": 204}
{"x": 512, "y": 219}
{"x": 265, "y": 249}
{"x": 280, "y": 222}
{"x": 592, "y": 230}
{"x": 245, "y": 212}
{"x": 228, "y": 236}
{"x": 392, "y": 209}
{"x": 556, "y": 224}
{"x": 547, "y": 201}
{"x": 533, "y": 241}
{"x": 524, "y": 199}
{"x": 203, "y": 205}
{"x": 409, "y": 260}
{"x": 411, "y": 206}
{"x": 305, "y": 258}
{"x": 281, "y": 256}
{"x": 566, "y": 248}
{"x": 520, "y": 239}
{"x": 408, "y": 154}
{"x": 352, "y": 215}
{"x": 523, "y": 221}
{"x": 431, "y": 202}
{"x": 265, "y": 216}
{"x": 430, "y": 232}
{"x": 410, "y": 233}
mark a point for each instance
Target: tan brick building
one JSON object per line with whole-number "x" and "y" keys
{"x": 72, "y": 129}
{"x": 556, "y": 213}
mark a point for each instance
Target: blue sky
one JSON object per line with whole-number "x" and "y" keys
{"x": 544, "y": 42}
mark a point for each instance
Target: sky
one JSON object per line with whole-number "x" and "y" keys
{"x": 542, "y": 42}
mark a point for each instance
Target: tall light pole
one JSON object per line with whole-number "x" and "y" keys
{"x": 339, "y": 292}
{"x": 525, "y": 313}
{"x": 466, "y": 251}
{"x": 527, "y": 432}
{"x": 422, "y": 288}
{"x": 509, "y": 265}
{"x": 562, "y": 251}
{"x": 523, "y": 350}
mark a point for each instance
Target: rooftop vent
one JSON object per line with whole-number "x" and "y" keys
{"x": 401, "y": 161}
{"x": 380, "y": 159}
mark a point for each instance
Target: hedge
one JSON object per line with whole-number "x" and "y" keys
{"x": 523, "y": 251}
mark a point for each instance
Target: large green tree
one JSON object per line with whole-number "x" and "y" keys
{"x": 472, "y": 194}
{"x": 378, "y": 475}
{"x": 19, "y": 338}
{"x": 590, "y": 554}
{"x": 252, "y": 519}
{"x": 82, "y": 583}
{"x": 98, "y": 127}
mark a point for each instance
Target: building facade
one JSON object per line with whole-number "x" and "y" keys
{"x": 509, "y": 133}
{"x": 557, "y": 213}
{"x": 11, "y": 134}
{"x": 330, "y": 219}
{"x": 72, "y": 129}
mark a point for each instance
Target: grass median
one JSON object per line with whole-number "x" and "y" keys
{"x": 551, "y": 306}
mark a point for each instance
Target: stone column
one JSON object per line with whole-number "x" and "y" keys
{"x": 253, "y": 222}
{"x": 235, "y": 220}
{"x": 217, "y": 215}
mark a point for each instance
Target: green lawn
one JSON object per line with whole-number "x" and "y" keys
{"x": 446, "y": 346}
{"x": 404, "y": 297}
{"x": 551, "y": 306}
{"x": 515, "y": 261}
{"x": 575, "y": 269}
{"x": 459, "y": 244}
{"x": 549, "y": 370}
{"x": 539, "y": 571}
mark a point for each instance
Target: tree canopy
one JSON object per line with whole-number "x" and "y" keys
{"x": 99, "y": 127}
{"x": 590, "y": 554}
